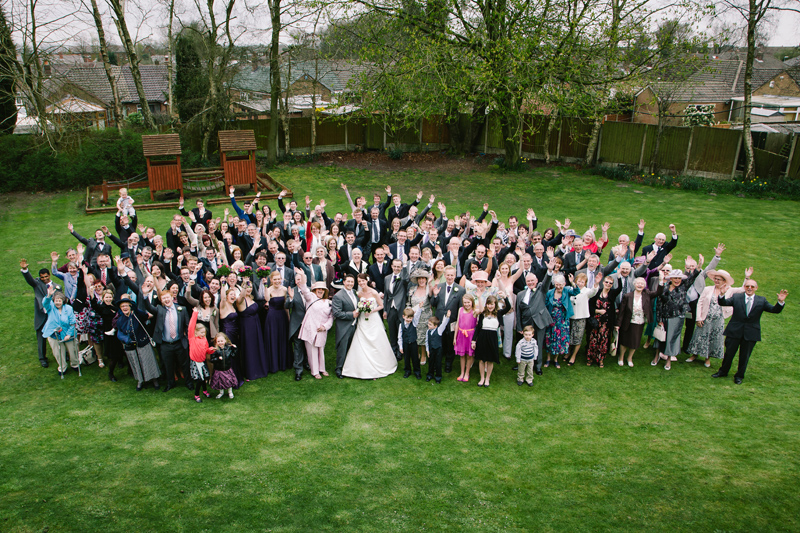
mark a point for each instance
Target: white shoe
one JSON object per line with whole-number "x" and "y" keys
{"x": 653, "y": 363}
{"x": 220, "y": 395}
{"x": 630, "y": 364}
{"x": 230, "y": 395}
{"x": 620, "y": 363}
{"x": 673, "y": 359}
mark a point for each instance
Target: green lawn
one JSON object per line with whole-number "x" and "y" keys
{"x": 585, "y": 449}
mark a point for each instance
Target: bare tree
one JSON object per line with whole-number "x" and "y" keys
{"x": 754, "y": 14}
{"x": 118, "y": 10}
{"x": 101, "y": 35}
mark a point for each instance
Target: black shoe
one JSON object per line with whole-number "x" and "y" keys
{"x": 190, "y": 385}
{"x": 530, "y": 384}
{"x": 538, "y": 372}
{"x": 139, "y": 387}
{"x": 111, "y": 377}
{"x": 718, "y": 375}
{"x": 169, "y": 387}
{"x": 44, "y": 363}
{"x": 307, "y": 367}
{"x": 520, "y": 383}
{"x": 738, "y": 381}
{"x": 407, "y": 373}
{"x": 339, "y": 374}
{"x": 428, "y": 377}
{"x": 448, "y": 368}
{"x": 298, "y": 377}
{"x": 418, "y": 375}
{"x": 515, "y": 367}
{"x": 438, "y": 380}
{"x": 65, "y": 371}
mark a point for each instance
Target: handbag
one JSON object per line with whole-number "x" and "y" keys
{"x": 660, "y": 334}
{"x": 593, "y": 323}
{"x": 614, "y": 343}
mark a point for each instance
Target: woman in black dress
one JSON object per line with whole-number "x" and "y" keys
{"x": 485, "y": 341}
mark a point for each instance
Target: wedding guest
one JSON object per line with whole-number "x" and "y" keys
{"x": 464, "y": 332}
{"x": 526, "y": 354}
{"x": 407, "y": 340}
{"x": 109, "y": 347}
{"x": 559, "y": 305}
{"x": 671, "y": 310}
{"x": 634, "y": 312}
{"x": 421, "y": 297}
{"x": 59, "y": 329}
{"x": 580, "y": 308}
{"x": 172, "y": 321}
{"x": 136, "y": 343}
{"x": 276, "y": 325}
{"x": 744, "y": 328}
{"x": 395, "y": 296}
{"x": 433, "y": 345}
{"x": 199, "y": 351}
{"x": 317, "y": 321}
{"x": 41, "y": 286}
{"x": 485, "y": 341}
{"x": 603, "y": 308}
{"x": 251, "y": 338}
{"x": 222, "y": 359}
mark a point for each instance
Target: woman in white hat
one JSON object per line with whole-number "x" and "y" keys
{"x": 316, "y": 323}
{"x": 421, "y": 297}
{"x": 707, "y": 341}
{"x": 670, "y": 311}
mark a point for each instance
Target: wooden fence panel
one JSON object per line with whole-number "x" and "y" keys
{"x": 330, "y": 132}
{"x": 374, "y": 133}
{"x": 672, "y": 151}
{"x": 794, "y": 164}
{"x": 260, "y": 129}
{"x": 575, "y": 134}
{"x": 435, "y": 131}
{"x": 768, "y": 165}
{"x": 713, "y": 150}
{"x": 533, "y": 134}
{"x": 300, "y": 132}
{"x": 356, "y": 131}
{"x": 494, "y": 140}
{"x": 622, "y": 142}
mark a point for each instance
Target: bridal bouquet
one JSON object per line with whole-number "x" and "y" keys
{"x": 365, "y": 307}
{"x": 263, "y": 272}
{"x": 245, "y": 272}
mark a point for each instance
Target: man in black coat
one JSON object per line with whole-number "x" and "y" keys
{"x": 744, "y": 329}
{"x": 394, "y": 302}
{"x": 170, "y": 335}
{"x": 40, "y": 287}
{"x": 94, "y": 247}
{"x": 448, "y": 298}
{"x": 661, "y": 247}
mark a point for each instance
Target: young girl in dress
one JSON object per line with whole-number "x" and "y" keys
{"x": 222, "y": 359}
{"x": 198, "y": 351}
{"x": 462, "y": 341}
{"x": 485, "y": 341}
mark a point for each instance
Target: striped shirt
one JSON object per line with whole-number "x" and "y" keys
{"x": 527, "y": 350}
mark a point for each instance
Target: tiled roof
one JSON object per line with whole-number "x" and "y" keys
{"x": 94, "y": 81}
{"x": 333, "y": 74}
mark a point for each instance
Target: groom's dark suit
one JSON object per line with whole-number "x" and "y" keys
{"x": 444, "y": 302}
{"x": 395, "y": 295}
{"x": 744, "y": 330}
{"x": 343, "y": 306}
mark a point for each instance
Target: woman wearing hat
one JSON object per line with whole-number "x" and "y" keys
{"x": 421, "y": 297}
{"x": 707, "y": 341}
{"x": 316, "y": 323}
{"x": 482, "y": 289}
{"x": 136, "y": 343}
{"x": 671, "y": 308}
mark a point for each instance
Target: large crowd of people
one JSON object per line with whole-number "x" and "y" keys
{"x": 218, "y": 302}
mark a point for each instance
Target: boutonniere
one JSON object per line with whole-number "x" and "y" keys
{"x": 180, "y": 308}
{"x": 455, "y": 289}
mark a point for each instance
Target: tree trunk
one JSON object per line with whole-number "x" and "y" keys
{"x": 593, "y": 139}
{"x": 122, "y": 27}
{"x": 275, "y": 82}
{"x": 170, "y": 68}
{"x": 510, "y": 126}
{"x": 657, "y": 144}
{"x": 101, "y": 35}
{"x": 752, "y": 20}
{"x": 551, "y": 122}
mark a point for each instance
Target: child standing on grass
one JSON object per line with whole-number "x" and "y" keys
{"x": 407, "y": 341}
{"x": 485, "y": 341}
{"x": 527, "y": 351}
{"x": 433, "y": 345}
{"x": 125, "y": 203}
{"x": 222, "y": 359}
{"x": 198, "y": 351}
{"x": 462, "y": 341}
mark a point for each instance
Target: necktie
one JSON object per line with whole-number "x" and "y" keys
{"x": 375, "y": 232}
{"x": 624, "y": 285}
{"x": 749, "y": 304}
{"x": 448, "y": 289}
{"x": 103, "y": 276}
{"x": 173, "y": 326}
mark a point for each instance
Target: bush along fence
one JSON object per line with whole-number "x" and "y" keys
{"x": 698, "y": 151}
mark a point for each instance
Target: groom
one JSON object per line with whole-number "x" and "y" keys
{"x": 345, "y": 311}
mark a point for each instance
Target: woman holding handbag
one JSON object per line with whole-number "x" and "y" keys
{"x": 635, "y": 310}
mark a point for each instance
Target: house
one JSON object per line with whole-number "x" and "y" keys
{"x": 720, "y": 83}
{"x": 86, "y": 86}
{"x": 326, "y": 80}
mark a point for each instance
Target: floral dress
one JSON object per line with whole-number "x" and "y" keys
{"x": 708, "y": 340}
{"x": 557, "y": 336}
{"x": 598, "y": 338}
{"x": 425, "y": 315}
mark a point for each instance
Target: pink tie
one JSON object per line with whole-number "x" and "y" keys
{"x": 173, "y": 327}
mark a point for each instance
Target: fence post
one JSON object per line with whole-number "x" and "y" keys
{"x": 736, "y": 159}
{"x": 346, "y": 126}
{"x": 644, "y": 143}
{"x": 105, "y": 191}
{"x": 688, "y": 150}
{"x": 558, "y": 146}
{"x": 599, "y": 145}
{"x": 791, "y": 155}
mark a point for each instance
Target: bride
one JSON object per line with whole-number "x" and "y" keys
{"x": 370, "y": 355}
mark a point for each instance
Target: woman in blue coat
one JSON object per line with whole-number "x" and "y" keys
{"x": 59, "y": 329}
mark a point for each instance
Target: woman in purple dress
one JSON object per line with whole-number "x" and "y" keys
{"x": 276, "y": 325}
{"x": 251, "y": 338}
{"x": 229, "y": 325}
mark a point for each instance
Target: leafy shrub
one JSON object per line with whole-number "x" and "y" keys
{"x": 396, "y": 154}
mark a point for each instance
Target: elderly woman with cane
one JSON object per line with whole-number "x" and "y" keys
{"x": 136, "y": 343}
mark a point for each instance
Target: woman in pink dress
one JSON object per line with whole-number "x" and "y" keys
{"x": 465, "y": 329}
{"x": 316, "y": 323}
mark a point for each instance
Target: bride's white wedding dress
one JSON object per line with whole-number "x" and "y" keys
{"x": 370, "y": 355}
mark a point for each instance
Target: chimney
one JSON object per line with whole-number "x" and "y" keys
{"x": 47, "y": 70}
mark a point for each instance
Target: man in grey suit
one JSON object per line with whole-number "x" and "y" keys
{"x": 345, "y": 312}
{"x": 286, "y": 271}
{"x": 625, "y": 277}
{"x": 449, "y": 298}
{"x": 394, "y": 302}
{"x": 532, "y": 310}
{"x": 298, "y": 308}
{"x": 40, "y": 287}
